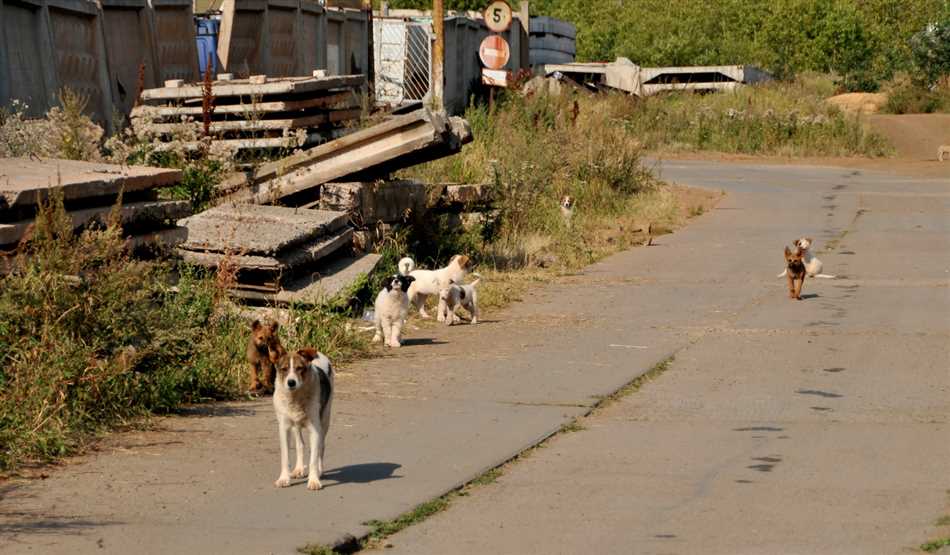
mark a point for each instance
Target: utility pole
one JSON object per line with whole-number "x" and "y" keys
{"x": 438, "y": 56}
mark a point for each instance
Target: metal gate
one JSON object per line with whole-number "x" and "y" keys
{"x": 403, "y": 60}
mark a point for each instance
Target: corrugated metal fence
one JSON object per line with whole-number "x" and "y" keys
{"x": 98, "y": 48}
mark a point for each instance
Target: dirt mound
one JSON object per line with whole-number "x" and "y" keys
{"x": 865, "y": 103}
{"x": 914, "y": 136}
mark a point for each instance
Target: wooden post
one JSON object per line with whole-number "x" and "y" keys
{"x": 438, "y": 56}
{"x": 371, "y": 58}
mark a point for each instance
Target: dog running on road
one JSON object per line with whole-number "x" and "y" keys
{"x": 813, "y": 266}
{"x": 795, "y": 271}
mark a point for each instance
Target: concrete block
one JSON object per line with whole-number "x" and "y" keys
{"x": 467, "y": 195}
{"x": 24, "y": 181}
{"x": 254, "y": 229}
{"x": 371, "y": 202}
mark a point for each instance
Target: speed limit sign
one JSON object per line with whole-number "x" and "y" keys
{"x": 498, "y": 16}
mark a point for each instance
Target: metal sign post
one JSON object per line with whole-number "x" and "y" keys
{"x": 494, "y": 51}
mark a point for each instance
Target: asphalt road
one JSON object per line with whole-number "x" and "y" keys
{"x": 781, "y": 427}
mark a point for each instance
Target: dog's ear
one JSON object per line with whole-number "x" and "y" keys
{"x": 388, "y": 283}
{"x": 273, "y": 327}
{"x": 463, "y": 260}
{"x": 795, "y": 243}
{"x": 410, "y": 279}
{"x": 308, "y": 354}
{"x": 256, "y": 325}
{"x": 788, "y": 252}
{"x": 810, "y": 240}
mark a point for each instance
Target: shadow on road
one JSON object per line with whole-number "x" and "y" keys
{"x": 361, "y": 473}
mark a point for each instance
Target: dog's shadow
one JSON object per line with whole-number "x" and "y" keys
{"x": 412, "y": 341}
{"x": 810, "y": 296}
{"x": 361, "y": 473}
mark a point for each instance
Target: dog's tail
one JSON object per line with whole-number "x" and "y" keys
{"x": 406, "y": 265}
{"x": 784, "y": 273}
{"x": 825, "y": 276}
{"x": 478, "y": 280}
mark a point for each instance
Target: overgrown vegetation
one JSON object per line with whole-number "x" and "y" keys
{"x": 775, "y": 118}
{"x": 531, "y": 151}
{"x": 90, "y": 337}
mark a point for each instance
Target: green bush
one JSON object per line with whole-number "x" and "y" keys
{"x": 91, "y": 338}
{"x": 909, "y": 96}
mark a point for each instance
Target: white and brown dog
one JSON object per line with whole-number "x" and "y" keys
{"x": 391, "y": 309}
{"x": 303, "y": 394}
{"x": 459, "y": 295}
{"x": 567, "y": 210}
{"x": 813, "y": 266}
{"x": 431, "y": 282}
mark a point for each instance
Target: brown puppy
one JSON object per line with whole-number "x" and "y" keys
{"x": 263, "y": 351}
{"x": 795, "y": 263}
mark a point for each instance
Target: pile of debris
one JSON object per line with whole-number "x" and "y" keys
{"x": 254, "y": 113}
{"x": 332, "y": 198}
{"x": 90, "y": 192}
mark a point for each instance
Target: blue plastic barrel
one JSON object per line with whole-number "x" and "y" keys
{"x": 206, "y": 34}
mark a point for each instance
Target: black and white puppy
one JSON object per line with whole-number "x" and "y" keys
{"x": 392, "y": 308}
{"x": 455, "y": 296}
{"x": 303, "y": 393}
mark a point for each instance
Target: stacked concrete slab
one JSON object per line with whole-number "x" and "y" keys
{"x": 552, "y": 41}
{"x": 90, "y": 192}
{"x": 368, "y": 154}
{"x": 626, "y": 76}
{"x": 278, "y": 254}
{"x": 256, "y": 113}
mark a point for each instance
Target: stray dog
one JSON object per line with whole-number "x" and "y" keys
{"x": 406, "y": 266}
{"x": 795, "y": 270}
{"x": 430, "y": 282}
{"x": 302, "y": 399}
{"x": 263, "y": 351}
{"x": 454, "y": 296}
{"x": 391, "y": 309}
{"x": 943, "y": 152}
{"x": 813, "y": 266}
{"x": 567, "y": 209}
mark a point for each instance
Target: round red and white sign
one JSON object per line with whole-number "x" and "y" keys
{"x": 494, "y": 52}
{"x": 498, "y": 16}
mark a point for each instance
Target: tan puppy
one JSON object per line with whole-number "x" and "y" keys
{"x": 795, "y": 266}
{"x": 263, "y": 351}
{"x": 943, "y": 152}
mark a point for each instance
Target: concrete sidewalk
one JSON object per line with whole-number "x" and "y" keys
{"x": 410, "y": 427}
{"x": 782, "y": 427}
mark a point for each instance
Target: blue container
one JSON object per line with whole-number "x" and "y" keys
{"x": 206, "y": 34}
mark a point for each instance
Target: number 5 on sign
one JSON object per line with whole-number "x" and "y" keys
{"x": 498, "y": 16}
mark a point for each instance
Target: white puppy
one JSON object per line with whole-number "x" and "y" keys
{"x": 406, "y": 266}
{"x": 303, "y": 393}
{"x": 391, "y": 309}
{"x": 430, "y": 282}
{"x": 455, "y": 296}
{"x": 813, "y": 266}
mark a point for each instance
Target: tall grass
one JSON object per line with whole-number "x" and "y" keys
{"x": 91, "y": 338}
{"x": 778, "y": 118}
{"x": 530, "y": 151}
